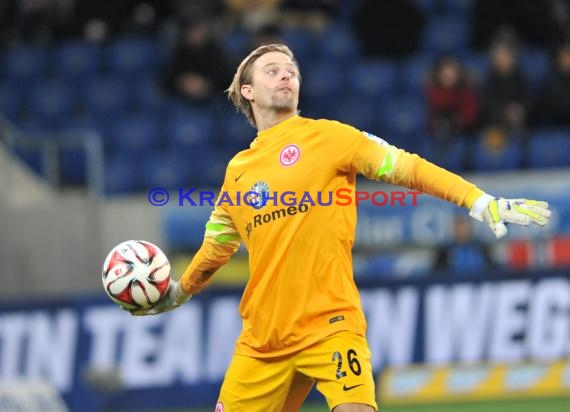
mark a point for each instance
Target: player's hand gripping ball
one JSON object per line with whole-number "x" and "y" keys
{"x": 136, "y": 274}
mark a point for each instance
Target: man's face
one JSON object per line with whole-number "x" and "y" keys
{"x": 275, "y": 83}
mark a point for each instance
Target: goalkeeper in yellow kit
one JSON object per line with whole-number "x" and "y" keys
{"x": 302, "y": 317}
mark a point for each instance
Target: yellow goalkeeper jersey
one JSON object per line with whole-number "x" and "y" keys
{"x": 279, "y": 198}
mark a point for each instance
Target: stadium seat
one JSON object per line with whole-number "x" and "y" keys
{"x": 25, "y": 63}
{"x": 535, "y": 65}
{"x": 487, "y": 158}
{"x": 106, "y": 96}
{"x": 477, "y": 65}
{"x": 236, "y": 44}
{"x": 450, "y": 155}
{"x": 549, "y": 148}
{"x": 338, "y": 44}
{"x": 323, "y": 80}
{"x": 136, "y": 133}
{"x": 301, "y": 42}
{"x": 446, "y": 34}
{"x": 132, "y": 55}
{"x": 360, "y": 112}
{"x": 373, "y": 78}
{"x": 73, "y": 166}
{"x": 52, "y": 100}
{"x": 11, "y": 102}
{"x": 212, "y": 169}
{"x": 167, "y": 170}
{"x": 77, "y": 60}
{"x": 404, "y": 115}
{"x": 235, "y": 132}
{"x": 193, "y": 129}
{"x": 414, "y": 74}
{"x": 148, "y": 93}
{"x": 121, "y": 174}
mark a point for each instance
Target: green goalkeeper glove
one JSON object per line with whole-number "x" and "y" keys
{"x": 498, "y": 212}
{"x": 173, "y": 298}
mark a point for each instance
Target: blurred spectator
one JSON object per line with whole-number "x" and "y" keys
{"x": 553, "y": 105}
{"x": 453, "y": 106}
{"x": 388, "y": 28}
{"x": 185, "y": 10}
{"x": 532, "y": 20}
{"x": 251, "y": 15}
{"x": 505, "y": 94}
{"x": 35, "y": 21}
{"x": 313, "y": 15}
{"x": 199, "y": 69}
{"x": 464, "y": 254}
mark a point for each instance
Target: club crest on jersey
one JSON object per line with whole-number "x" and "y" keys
{"x": 290, "y": 155}
{"x": 258, "y": 195}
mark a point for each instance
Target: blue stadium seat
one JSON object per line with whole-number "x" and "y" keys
{"x": 167, "y": 170}
{"x": 549, "y": 148}
{"x": 121, "y": 174}
{"x": 404, "y": 115}
{"x": 136, "y": 133}
{"x": 323, "y": 80}
{"x": 301, "y": 42}
{"x": 373, "y": 78}
{"x": 446, "y": 34}
{"x": 11, "y": 102}
{"x": 485, "y": 158}
{"x": 236, "y": 44}
{"x": 148, "y": 93}
{"x": 40, "y": 126}
{"x": 360, "y": 112}
{"x": 88, "y": 122}
{"x": 25, "y": 63}
{"x": 193, "y": 129}
{"x": 212, "y": 169}
{"x": 235, "y": 132}
{"x": 52, "y": 100}
{"x": 414, "y": 73}
{"x": 477, "y": 65}
{"x": 338, "y": 44}
{"x": 106, "y": 96}
{"x": 450, "y": 155}
{"x": 73, "y": 166}
{"x": 535, "y": 65}
{"x": 77, "y": 60}
{"x": 459, "y": 6}
{"x": 132, "y": 55}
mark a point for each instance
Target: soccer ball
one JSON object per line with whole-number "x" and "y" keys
{"x": 136, "y": 274}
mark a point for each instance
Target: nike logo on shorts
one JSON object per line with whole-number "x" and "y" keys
{"x": 348, "y": 388}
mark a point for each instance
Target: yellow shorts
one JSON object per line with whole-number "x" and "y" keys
{"x": 339, "y": 364}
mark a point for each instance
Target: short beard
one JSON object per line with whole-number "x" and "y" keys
{"x": 282, "y": 105}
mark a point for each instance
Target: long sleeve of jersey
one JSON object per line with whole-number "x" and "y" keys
{"x": 221, "y": 242}
{"x": 378, "y": 160}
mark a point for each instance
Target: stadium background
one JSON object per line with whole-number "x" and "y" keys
{"x": 91, "y": 120}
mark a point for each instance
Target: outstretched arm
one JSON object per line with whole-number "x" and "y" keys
{"x": 409, "y": 170}
{"x": 221, "y": 242}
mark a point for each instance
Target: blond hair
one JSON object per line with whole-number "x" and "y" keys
{"x": 243, "y": 76}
